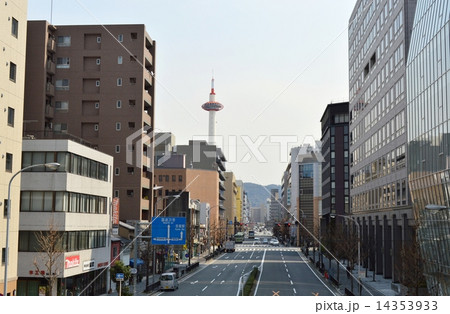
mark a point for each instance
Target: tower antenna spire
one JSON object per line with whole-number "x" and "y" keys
{"x": 212, "y": 106}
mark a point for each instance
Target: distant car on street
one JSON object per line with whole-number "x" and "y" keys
{"x": 274, "y": 242}
{"x": 265, "y": 241}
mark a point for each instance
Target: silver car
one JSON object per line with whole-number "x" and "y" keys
{"x": 168, "y": 281}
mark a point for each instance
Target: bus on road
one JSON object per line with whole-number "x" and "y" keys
{"x": 239, "y": 237}
{"x": 251, "y": 234}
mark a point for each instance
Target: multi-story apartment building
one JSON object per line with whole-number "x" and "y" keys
{"x": 95, "y": 82}
{"x": 379, "y": 37}
{"x": 335, "y": 166}
{"x": 231, "y": 192}
{"x": 13, "y": 33}
{"x": 201, "y": 155}
{"x": 239, "y": 200}
{"x": 309, "y": 200}
{"x": 275, "y": 209}
{"x": 65, "y": 219}
{"x": 428, "y": 98}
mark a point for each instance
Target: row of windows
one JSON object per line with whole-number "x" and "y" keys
{"x": 393, "y": 129}
{"x": 66, "y": 41}
{"x": 50, "y": 201}
{"x": 378, "y": 111}
{"x": 165, "y": 178}
{"x": 70, "y": 241}
{"x": 387, "y": 41}
{"x": 64, "y": 62}
{"x": 383, "y": 166}
{"x": 69, "y": 162}
{"x": 387, "y": 196}
{"x": 63, "y": 105}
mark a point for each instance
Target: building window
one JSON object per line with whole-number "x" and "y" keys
{"x": 95, "y": 127}
{"x": 117, "y": 148}
{"x": 130, "y": 170}
{"x": 9, "y": 162}
{"x": 117, "y": 171}
{"x": 131, "y": 125}
{"x": 119, "y": 104}
{"x": 97, "y": 83}
{"x": 119, "y": 60}
{"x": 132, "y": 102}
{"x": 118, "y": 126}
{"x": 134, "y": 35}
{"x": 62, "y": 84}
{"x": 130, "y": 193}
{"x": 174, "y": 178}
{"x": 12, "y": 71}
{"x": 11, "y": 116}
{"x": 15, "y": 27}
{"x": 62, "y": 105}
{"x": 60, "y": 127}
{"x": 63, "y": 41}
{"x": 116, "y": 193}
{"x": 132, "y": 80}
{"x": 120, "y": 38}
{"x": 5, "y": 208}
{"x": 119, "y": 81}
{"x": 63, "y": 63}
{"x": 180, "y": 178}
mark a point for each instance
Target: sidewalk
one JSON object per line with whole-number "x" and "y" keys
{"x": 380, "y": 287}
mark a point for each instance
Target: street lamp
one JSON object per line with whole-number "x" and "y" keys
{"x": 359, "y": 245}
{"x": 51, "y": 166}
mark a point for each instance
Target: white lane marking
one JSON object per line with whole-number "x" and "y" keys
{"x": 219, "y": 274}
{"x": 215, "y": 279}
{"x": 222, "y": 281}
{"x": 261, "y": 267}
{"x": 307, "y": 264}
{"x": 204, "y": 288}
{"x": 292, "y": 282}
{"x": 289, "y": 276}
{"x": 295, "y": 291}
{"x": 194, "y": 282}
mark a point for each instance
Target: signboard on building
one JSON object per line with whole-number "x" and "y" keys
{"x": 168, "y": 230}
{"x": 72, "y": 261}
{"x": 115, "y": 215}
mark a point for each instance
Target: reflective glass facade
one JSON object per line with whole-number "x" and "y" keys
{"x": 428, "y": 115}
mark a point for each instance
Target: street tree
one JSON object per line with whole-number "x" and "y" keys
{"x": 48, "y": 262}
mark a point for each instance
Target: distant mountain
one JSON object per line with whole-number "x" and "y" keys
{"x": 258, "y": 194}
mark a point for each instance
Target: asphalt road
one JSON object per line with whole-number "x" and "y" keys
{"x": 285, "y": 272}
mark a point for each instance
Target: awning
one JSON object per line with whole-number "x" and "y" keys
{"x": 139, "y": 262}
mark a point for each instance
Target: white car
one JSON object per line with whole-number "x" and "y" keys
{"x": 168, "y": 281}
{"x": 274, "y": 242}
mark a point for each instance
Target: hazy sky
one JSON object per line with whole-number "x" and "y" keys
{"x": 277, "y": 64}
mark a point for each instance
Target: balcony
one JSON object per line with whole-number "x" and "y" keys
{"x": 49, "y": 111}
{"x": 50, "y": 89}
{"x": 51, "y": 67}
{"x": 51, "y": 45}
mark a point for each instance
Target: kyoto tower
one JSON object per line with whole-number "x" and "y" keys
{"x": 212, "y": 106}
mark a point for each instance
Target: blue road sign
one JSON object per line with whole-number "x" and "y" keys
{"x": 120, "y": 276}
{"x": 169, "y": 231}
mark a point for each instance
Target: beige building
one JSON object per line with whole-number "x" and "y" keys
{"x": 13, "y": 32}
{"x": 230, "y": 203}
{"x": 95, "y": 83}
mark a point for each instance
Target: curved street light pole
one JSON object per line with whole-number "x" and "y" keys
{"x": 53, "y": 166}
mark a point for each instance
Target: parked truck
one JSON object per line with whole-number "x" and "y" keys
{"x": 229, "y": 246}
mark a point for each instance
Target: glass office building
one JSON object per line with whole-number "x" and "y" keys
{"x": 428, "y": 116}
